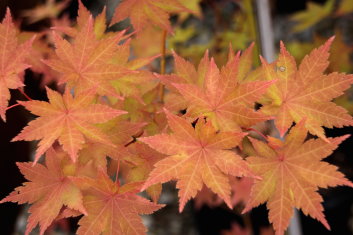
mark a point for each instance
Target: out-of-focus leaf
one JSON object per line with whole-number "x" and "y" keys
{"x": 313, "y": 14}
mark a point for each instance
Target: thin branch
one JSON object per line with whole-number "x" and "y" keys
{"x": 162, "y": 65}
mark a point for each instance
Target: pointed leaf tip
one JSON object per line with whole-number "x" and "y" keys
{"x": 8, "y": 16}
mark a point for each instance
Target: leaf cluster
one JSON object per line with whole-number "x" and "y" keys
{"x": 115, "y": 127}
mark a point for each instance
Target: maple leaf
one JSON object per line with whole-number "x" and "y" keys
{"x": 12, "y": 57}
{"x": 221, "y": 96}
{"x": 241, "y": 188}
{"x": 339, "y": 58}
{"x": 313, "y": 14}
{"x": 50, "y": 9}
{"x": 112, "y": 209}
{"x": 206, "y": 197}
{"x": 305, "y": 92}
{"x": 120, "y": 133}
{"x": 83, "y": 16}
{"x": 340, "y": 51}
{"x": 49, "y": 189}
{"x": 86, "y": 62}
{"x": 137, "y": 82}
{"x": 147, "y": 12}
{"x": 40, "y": 50}
{"x": 67, "y": 119}
{"x": 196, "y": 157}
{"x": 142, "y": 163}
{"x": 291, "y": 173}
{"x": 147, "y": 111}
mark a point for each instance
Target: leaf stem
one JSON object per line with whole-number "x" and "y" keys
{"x": 162, "y": 65}
{"x": 12, "y": 106}
{"x": 117, "y": 172}
{"x": 257, "y": 132}
{"x": 25, "y": 95}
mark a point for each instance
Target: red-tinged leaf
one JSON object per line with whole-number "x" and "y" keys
{"x": 65, "y": 118}
{"x": 112, "y": 209}
{"x": 86, "y": 63}
{"x": 119, "y": 133}
{"x": 291, "y": 173}
{"x": 145, "y": 12}
{"x": 196, "y": 157}
{"x": 49, "y": 189}
{"x": 12, "y": 61}
{"x": 241, "y": 188}
{"x": 306, "y": 92}
{"x": 141, "y": 164}
{"x": 219, "y": 95}
{"x": 246, "y": 62}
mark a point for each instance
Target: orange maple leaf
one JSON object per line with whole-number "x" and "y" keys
{"x": 111, "y": 208}
{"x": 67, "y": 119}
{"x": 12, "y": 57}
{"x": 196, "y": 157}
{"x": 87, "y": 62}
{"x": 220, "y": 95}
{"x": 50, "y": 9}
{"x": 141, "y": 164}
{"x": 292, "y": 171}
{"x": 241, "y": 188}
{"x": 120, "y": 133}
{"x": 305, "y": 92}
{"x": 49, "y": 190}
{"x": 147, "y": 12}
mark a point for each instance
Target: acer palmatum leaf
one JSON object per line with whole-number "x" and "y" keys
{"x": 86, "y": 63}
{"x": 305, "y": 92}
{"x": 292, "y": 172}
{"x": 48, "y": 189}
{"x": 146, "y": 12}
{"x": 221, "y": 95}
{"x": 120, "y": 133}
{"x": 112, "y": 209}
{"x": 12, "y": 60}
{"x": 196, "y": 157}
{"x": 67, "y": 119}
{"x": 141, "y": 164}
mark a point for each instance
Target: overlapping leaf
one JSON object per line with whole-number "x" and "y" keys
{"x": 48, "y": 189}
{"x": 87, "y": 62}
{"x": 12, "y": 57}
{"x": 112, "y": 209}
{"x": 142, "y": 161}
{"x": 291, "y": 173}
{"x": 67, "y": 119}
{"x": 221, "y": 95}
{"x": 196, "y": 157}
{"x": 145, "y": 12}
{"x": 305, "y": 92}
{"x": 120, "y": 133}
